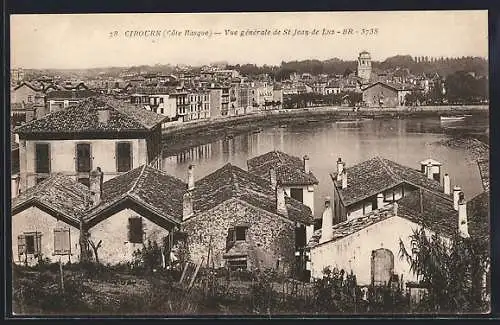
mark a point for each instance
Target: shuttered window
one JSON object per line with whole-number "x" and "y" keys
{"x": 83, "y": 158}
{"x": 29, "y": 243}
{"x": 123, "y": 156}
{"x": 135, "y": 230}
{"x": 42, "y": 163}
{"x": 62, "y": 241}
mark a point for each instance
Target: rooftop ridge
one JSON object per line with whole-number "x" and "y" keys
{"x": 131, "y": 190}
{"x": 389, "y": 170}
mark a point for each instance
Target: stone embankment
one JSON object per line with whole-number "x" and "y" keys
{"x": 267, "y": 118}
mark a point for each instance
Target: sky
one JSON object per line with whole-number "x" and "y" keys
{"x": 78, "y": 41}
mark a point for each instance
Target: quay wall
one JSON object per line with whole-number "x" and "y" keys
{"x": 276, "y": 117}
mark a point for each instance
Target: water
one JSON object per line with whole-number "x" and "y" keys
{"x": 406, "y": 141}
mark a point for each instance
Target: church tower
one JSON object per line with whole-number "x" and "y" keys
{"x": 364, "y": 66}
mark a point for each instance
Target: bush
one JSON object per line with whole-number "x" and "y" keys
{"x": 264, "y": 298}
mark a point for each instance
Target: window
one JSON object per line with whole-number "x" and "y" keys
{"x": 83, "y": 160}
{"x": 42, "y": 152}
{"x": 30, "y": 99}
{"x": 297, "y": 194}
{"x": 29, "y": 243}
{"x": 135, "y": 230}
{"x": 123, "y": 156}
{"x": 240, "y": 233}
{"x": 62, "y": 241}
{"x": 161, "y": 100}
{"x": 240, "y": 264}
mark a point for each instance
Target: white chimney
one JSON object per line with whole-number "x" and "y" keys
{"x": 280, "y": 200}
{"x": 327, "y": 222}
{"x": 96, "y": 180}
{"x": 447, "y": 184}
{"x": 429, "y": 171}
{"x": 187, "y": 205}
{"x": 340, "y": 168}
{"x": 463, "y": 228}
{"x": 456, "y": 197}
{"x": 272, "y": 178}
{"x": 103, "y": 114}
{"x": 395, "y": 208}
{"x": 380, "y": 200}
{"x": 306, "y": 163}
{"x": 190, "y": 179}
{"x": 14, "y": 185}
{"x": 344, "y": 179}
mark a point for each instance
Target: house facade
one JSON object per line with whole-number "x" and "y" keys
{"x": 237, "y": 219}
{"x": 381, "y": 94}
{"x": 370, "y": 246}
{"x": 45, "y": 221}
{"x": 58, "y": 100}
{"x": 97, "y": 132}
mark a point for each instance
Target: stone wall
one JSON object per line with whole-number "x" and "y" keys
{"x": 269, "y": 236}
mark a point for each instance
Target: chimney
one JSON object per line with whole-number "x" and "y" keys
{"x": 280, "y": 200}
{"x": 272, "y": 178}
{"x": 380, "y": 200}
{"x": 102, "y": 114}
{"x": 190, "y": 179}
{"x": 395, "y": 209}
{"x": 456, "y": 197}
{"x": 327, "y": 222}
{"x": 429, "y": 171}
{"x": 463, "y": 228}
{"x": 187, "y": 205}
{"x": 447, "y": 184}
{"x": 340, "y": 168}
{"x": 14, "y": 185}
{"x": 344, "y": 179}
{"x": 306, "y": 163}
{"x": 96, "y": 179}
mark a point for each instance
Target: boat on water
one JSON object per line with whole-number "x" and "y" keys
{"x": 451, "y": 118}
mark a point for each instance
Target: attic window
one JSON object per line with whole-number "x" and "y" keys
{"x": 240, "y": 233}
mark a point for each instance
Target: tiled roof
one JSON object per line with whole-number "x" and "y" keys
{"x": 70, "y": 94}
{"x": 58, "y": 193}
{"x": 437, "y": 214}
{"x": 478, "y": 216}
{"x": 484, "y": 171}
{"x": 145, "y": 185}
{"x": 83, "y": 117}
{"x": 378, "y": 174}
{"x": 233, "y": 182}
{"x": 289, "y": 169}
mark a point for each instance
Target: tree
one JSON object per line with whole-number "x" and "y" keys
{"x": 451, "y": 271}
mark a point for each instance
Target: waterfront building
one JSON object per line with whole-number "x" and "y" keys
{"x": 380, "y": 94}
{"x": 114, "y": 135}
{"x": 377, "y": 182}
{"x": 219, "y": 100}
{"x": 199, "y": 104}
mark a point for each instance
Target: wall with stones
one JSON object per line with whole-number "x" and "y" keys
{"x": 270, "y": 236}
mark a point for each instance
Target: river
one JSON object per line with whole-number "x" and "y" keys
{"x": 406, "y": 141}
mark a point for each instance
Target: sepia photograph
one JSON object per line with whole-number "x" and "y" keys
{"x": 250, "y": 164}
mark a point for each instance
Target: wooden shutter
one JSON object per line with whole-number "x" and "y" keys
{"x": 38, "y": 243}
{"x": 135, "y": 231}
{"x": 21, "y": 244}
{"x": 62, "y": 241}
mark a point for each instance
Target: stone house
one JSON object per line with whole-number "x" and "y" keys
{"x": 46, "y": 221}
{"x": 97, "y": 132}
{"x": 380, "y": 94}
{"x": 370, "y": 185}
{"x": 369, "y": 246}
{"x": 119, "y": 216}
{"x": 234, "y": 218}
{"x": 129, "y": 210}
{"x": 27, "y": 102}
